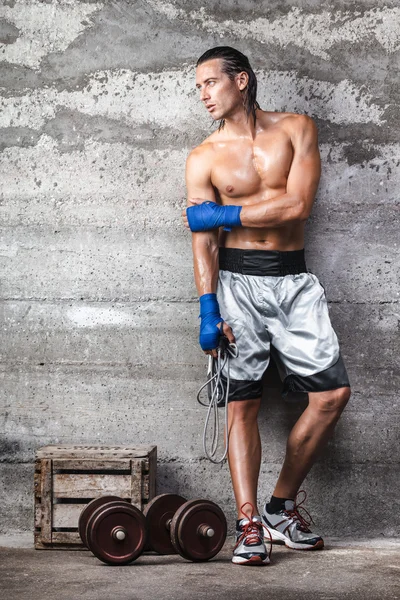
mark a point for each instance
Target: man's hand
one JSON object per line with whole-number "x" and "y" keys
{"x": 212, "y": 325}
{"x": 228, "y": 333}
{"x": 193, "y": 201}
{"x": 205, "y": 215}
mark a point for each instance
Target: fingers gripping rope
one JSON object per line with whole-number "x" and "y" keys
{"x": 217, "y": 397}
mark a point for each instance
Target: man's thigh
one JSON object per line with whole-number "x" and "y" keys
{"x": 303, "y": 342}
{"x": 238, "y": 298}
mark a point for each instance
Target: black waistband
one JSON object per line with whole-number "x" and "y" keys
{"x": 262, "y": 262}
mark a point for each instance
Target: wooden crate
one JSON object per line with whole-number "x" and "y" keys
{"x": 68, "y": 477}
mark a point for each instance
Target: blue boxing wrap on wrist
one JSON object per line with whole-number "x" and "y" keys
{"x": 210, "y": 215}
{"x": 210, "y": 318}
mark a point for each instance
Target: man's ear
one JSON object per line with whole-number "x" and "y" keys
{"x": 242, "y": 79}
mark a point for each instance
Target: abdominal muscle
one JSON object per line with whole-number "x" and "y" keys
{"x": 285, "y": 238}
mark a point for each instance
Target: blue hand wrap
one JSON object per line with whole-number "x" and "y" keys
{"x": 210, "y": 317}
{"x": 210, "y": 215}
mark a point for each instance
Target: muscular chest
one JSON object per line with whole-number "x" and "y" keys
{"x": 242, "y": 168}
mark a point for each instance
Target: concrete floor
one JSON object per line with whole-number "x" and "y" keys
{"x": 362, "y": 570}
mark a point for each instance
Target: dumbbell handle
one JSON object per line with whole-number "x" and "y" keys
{"x": 119, "y": 533}
{"x": 203, "y": 530}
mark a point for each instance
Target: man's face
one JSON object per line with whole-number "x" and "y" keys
{"x": 220, "y": 95}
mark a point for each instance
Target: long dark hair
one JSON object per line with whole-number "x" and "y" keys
{"x": 234, "y": 62}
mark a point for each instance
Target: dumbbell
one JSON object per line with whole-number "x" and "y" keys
{"x": 195, "y": 529}
{"x": 113, "y": 529}
{"x": 116, "y": 532}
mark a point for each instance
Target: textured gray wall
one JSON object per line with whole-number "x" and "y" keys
{"x": 99, "y": 309}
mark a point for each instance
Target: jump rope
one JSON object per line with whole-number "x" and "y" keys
{"x": 217, "y": 397}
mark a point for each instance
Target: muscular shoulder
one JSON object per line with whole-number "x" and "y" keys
{"x": 299, "y": 126}
{"x": 292, "y": 123}
{"x": 200, "y": 157}
{"x": 198, "y": 171}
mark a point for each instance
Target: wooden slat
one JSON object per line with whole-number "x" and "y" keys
{"x": 37, "y": 493}
{"x": 66, "y": 537}
{"x": 88, "y": 452}
{"x": 152, "y": 468}
{"x": 66, "y": 515}
{"x": 38, "y": 514}
{"x": 90, "y": 486}
{"x": 67, "y": 544}
{"x": 145, "y": 487}
{"x": 91, "y": 465}
{"x": 136, "y": 492}
{"x": 36, "y": 484}
{"x": 38, "y": 540}
{"x": 46, "y": 501}
{"x": 39, "y": 544}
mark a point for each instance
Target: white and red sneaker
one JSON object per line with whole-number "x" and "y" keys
{"x": 290, "y": 526}
{"x": 250, "y": 548}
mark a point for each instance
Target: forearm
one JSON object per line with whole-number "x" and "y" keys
{"x": 205, "y": 255}
{"x": 205, "y": 262}
{"x": 275, "y": 212}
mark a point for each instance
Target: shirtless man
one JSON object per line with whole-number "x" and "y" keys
{"x": 251, "y": 186}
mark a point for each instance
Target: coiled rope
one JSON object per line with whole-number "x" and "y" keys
{"x": 217, "y": 397}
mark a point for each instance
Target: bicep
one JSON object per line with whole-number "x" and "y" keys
{"x": 305, "y": 171}
{"x": 198, "y": 178}
{"x": 198, "y": 185}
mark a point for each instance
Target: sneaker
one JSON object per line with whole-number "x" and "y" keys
{"x": 291, "y": 527}
{"x": 250, "y": 548}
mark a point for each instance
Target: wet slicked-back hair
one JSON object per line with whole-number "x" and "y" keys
{"x": 234, "y": 62}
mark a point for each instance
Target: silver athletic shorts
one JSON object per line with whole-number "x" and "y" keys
{"x": 275, "y": 307}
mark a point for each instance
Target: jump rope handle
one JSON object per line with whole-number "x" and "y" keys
{"x": 227, "y": 347}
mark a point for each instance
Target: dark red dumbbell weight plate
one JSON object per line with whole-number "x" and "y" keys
{"x": 88, "y": 511}
{"x": 116, "y": 533}
{"x": 158, "y": 513}
{"x": 198, "y": 530}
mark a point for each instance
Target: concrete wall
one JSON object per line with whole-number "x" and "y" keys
{"x": 99, "y": 309}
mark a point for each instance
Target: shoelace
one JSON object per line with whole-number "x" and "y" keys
{"x": 297, "y": 516}
{"x": 253, "y": 530}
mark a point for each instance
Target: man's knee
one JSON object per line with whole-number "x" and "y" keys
{"x": 332, "y": 401}
{"x": 244, "y": 410}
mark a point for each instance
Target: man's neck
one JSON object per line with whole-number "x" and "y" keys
{"x": 239, "y": 125}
